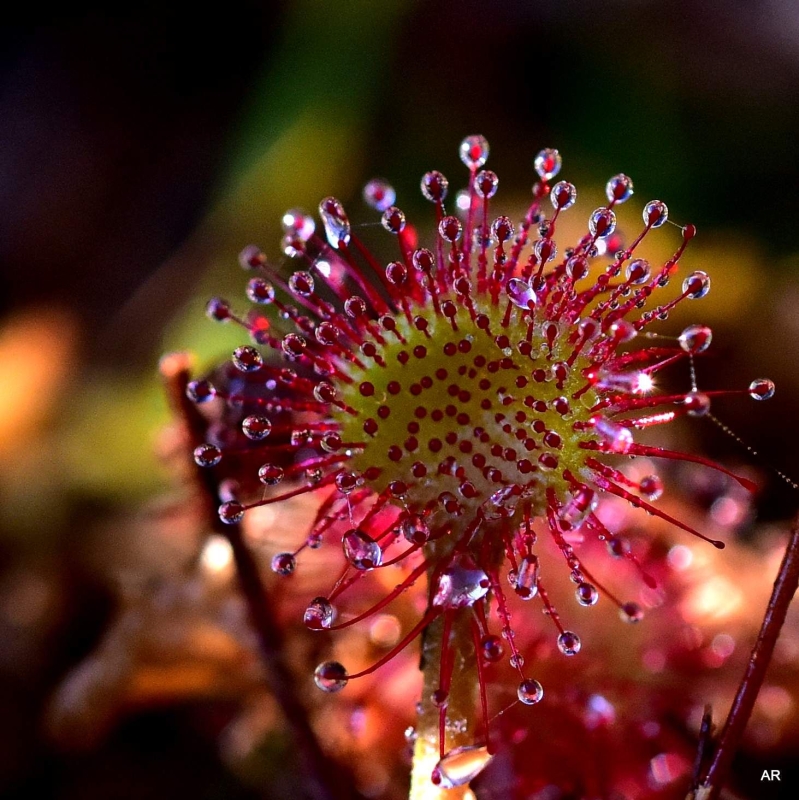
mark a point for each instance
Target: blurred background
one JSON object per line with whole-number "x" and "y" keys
{"x": 142, "y": 146}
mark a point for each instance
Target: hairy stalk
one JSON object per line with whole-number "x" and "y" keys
{"x": 785, "y": 587}
{"x": 460, "y": 728}
{"x": 320, "y": 779}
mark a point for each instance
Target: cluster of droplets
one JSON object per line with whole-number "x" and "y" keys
{"x": 458, "y": 401}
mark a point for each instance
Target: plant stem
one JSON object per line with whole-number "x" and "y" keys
{"x": 785, "y": 587}
{"x": 320, "y": 778}
{"x": 460, "y": 728}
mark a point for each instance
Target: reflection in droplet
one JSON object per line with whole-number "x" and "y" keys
{"x": 361, "y": 550}
{"x": 761, "y": 389}
{"x": 530, "y": 692}
{"x": 319, "y": 615}
{"x": 330, "y": 676}
{"x": 379, "y": 194}
{"x": 569, "y": 643}
{"x": 474, "y": 151}
{"x": 459, "y": 587}
{"x": 460, "y": 766}
{"x": 547, "y": 163}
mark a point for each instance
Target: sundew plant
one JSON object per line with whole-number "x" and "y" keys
{"x": 460, "y": 411}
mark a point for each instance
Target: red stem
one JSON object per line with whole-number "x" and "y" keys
{"x": 785, "y": 587}
{"x": 322, "y": 780}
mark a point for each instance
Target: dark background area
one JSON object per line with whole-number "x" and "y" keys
{"x": 141, "y": 146}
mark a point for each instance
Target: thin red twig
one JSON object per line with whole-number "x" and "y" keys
{"x": 785, "y": 587}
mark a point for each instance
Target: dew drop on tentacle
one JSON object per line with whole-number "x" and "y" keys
{"x": 393, "y": 220}
{"x": 628, "y": 382}
{"x": 396, "y": 273}
{"x": 415, "y": 530}
{"x": 256, "y": 427}
{"x": 450, "y": 229}
{"x": 651, "y": 487}
{"x": 563, "y": 195}
{"x": 501, "y": 503}
{"x": 526, "y": 585}
{"x": 283, "y": 563}
{"x": 348, "y": 482}
{"x": 247, "y": 359}
{"x": 314, "y": 475}
{"x": 618, "y": 546}
{"x": 696, "y": 339}
{"x": 319, "y": 615}
{"x": 292, "y": 245}
{"x": 314, "y": 540}
{"x": 545, "y": 250}
{"x": 631, "y": 612}
{"x": 330, "y": 676}
{"x": 379, "y": 194}
{"x": 325, "y": 392}
{"x": 207, "y": 455}
{"x": 578, "y": 505}
{"x": 762, "y": 389}
{"x": 617, "y": 438}
{"x": 696, "y": 403}
{"x": 361, "y": 550}
{"x": 260, "y": 291}
{"x": 547, "y": 163}
{"x": 326, "y": 333}
{"x": 296, "y": 222}
{"x": 201, "y": 391}
{"x": 587, "y": 594}
{"x": 231, "y": 512}
{"x": 486, "y": 183}
{"x": 423, "y": 260}
{"x": 530, "y": 692}
{"x": 569, "y": 643}
{"x": 602, "y": 223}
{"x": 461, "y": 765}
{"x": 655, "y": 213}
{"x": 270, "y": 474}
{"x": 619, "y": 188}
{"x": 251, "y": 257}
{"x": 439, "y": 698}
{"x": 355, "y": 307}
{"x": 294, "y": 345}
{"x": 696, "y": 285}
{"x": 330, "y": 443}
{"x": 301, "y": 283}
{"x": 521, "y": 294}
{"x": 300, "y": 437}
{"x": 502, "y": 229}
{"x": 474, "y": 151}
{"x": 577, "y": 268}
{"x": 638, "y": 271}
{"x": 491, "y": 648}
{"x": 434, "y": 186}
{"x": 623, "y": 331}
{"x": 217, "y": 309}
{"x": 460, "y": 586}
{"x": 336, "y": 222}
